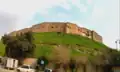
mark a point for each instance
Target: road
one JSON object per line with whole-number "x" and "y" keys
{"x": 5, "y": 70}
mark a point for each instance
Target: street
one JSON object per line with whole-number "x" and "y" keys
{"x": 5, "y": 70}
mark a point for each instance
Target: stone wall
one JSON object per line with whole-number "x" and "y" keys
{"x": 71, "y": 28}
{"x": 49, "y": 27}
{"x": 96, "y": 36}
{"x": 65, "y": 27}
{"x": 43, "y": 27}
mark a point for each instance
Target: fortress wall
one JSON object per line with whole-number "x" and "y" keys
{"x": 96, "y": 37}
{"x": 43, "y": 27}
{"x": 85, "y": 32}
{"x": 71, "y": 28}
{"x": 65, "y": 27}
{"x": 49, "y": 27}
{"x": 57, "y": 27}
{"x": 80, "y": 31}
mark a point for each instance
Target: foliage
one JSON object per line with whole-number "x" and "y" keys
{"x": 115, "y": 57}
{"x": 2, "y": 49}
{"x": 19, "y": 46}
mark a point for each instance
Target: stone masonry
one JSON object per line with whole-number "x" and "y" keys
{"x": 64, "y": 27}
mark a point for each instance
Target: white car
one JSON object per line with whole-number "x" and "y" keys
{"x": 25, "y": 68}
{"x": 48, "y": 70}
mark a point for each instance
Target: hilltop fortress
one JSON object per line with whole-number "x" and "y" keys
{"x": 64, "y": 27}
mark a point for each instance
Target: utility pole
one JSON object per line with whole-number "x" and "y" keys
{"x": 117, "y": 44}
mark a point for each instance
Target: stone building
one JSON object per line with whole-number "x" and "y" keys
{"x": 64, "y": 27}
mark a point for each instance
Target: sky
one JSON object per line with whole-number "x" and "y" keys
{"x": 99, "y": 15}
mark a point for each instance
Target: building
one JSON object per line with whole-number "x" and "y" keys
{"x": 64, "y": 27}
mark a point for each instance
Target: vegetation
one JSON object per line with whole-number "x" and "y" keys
{"x": 58, "y": 47}
{"x": 2, "y": 49}
{"x": 70, "y": 50}
{"x": 19, "y": 46}
{"x": 46, "y": 42}
{"x": 66, "y": 39}
{"x": 78, "y": 45}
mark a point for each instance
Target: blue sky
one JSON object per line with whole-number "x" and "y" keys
{"x": 99, "y": 15}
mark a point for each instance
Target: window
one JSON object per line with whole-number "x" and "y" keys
{"x": 69, "y": 27}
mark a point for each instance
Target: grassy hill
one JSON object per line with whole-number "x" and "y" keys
{"x": 61, "y": 38}
{"x": 2, "y": 49}
{"x": 64, "y": 46}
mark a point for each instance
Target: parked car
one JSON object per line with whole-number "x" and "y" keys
{"x": 25, "y": 68}
{"x": 48, "y": 70}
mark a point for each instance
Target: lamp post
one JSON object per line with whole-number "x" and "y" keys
{"x": 117, "y": 44}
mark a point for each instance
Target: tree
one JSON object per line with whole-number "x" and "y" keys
{"x": 19, "y": 46}
{"x": 8, "y": 41}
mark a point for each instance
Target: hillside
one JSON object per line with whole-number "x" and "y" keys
{"x": 61, "y": 38}
{"x": 2, "y": 49}
{"x": 60, "y": 46}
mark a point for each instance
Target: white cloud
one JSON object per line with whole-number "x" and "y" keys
{"x": 104, "y": 16}
{"x": 7, "y": 22}
{"x": 24, "y": 9}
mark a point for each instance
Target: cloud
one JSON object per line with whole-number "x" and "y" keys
{"x": 18, "y": 14}
{"x": 25, "y": 9}
{"x": 7, "y": 22}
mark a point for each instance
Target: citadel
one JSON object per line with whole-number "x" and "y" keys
{"x": 64, "y": 27}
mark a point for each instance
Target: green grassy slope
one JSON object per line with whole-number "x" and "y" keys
{"x": 78, "y": 44}
{"x": 66, "y": 39}
{"x": 2, "y": 49}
